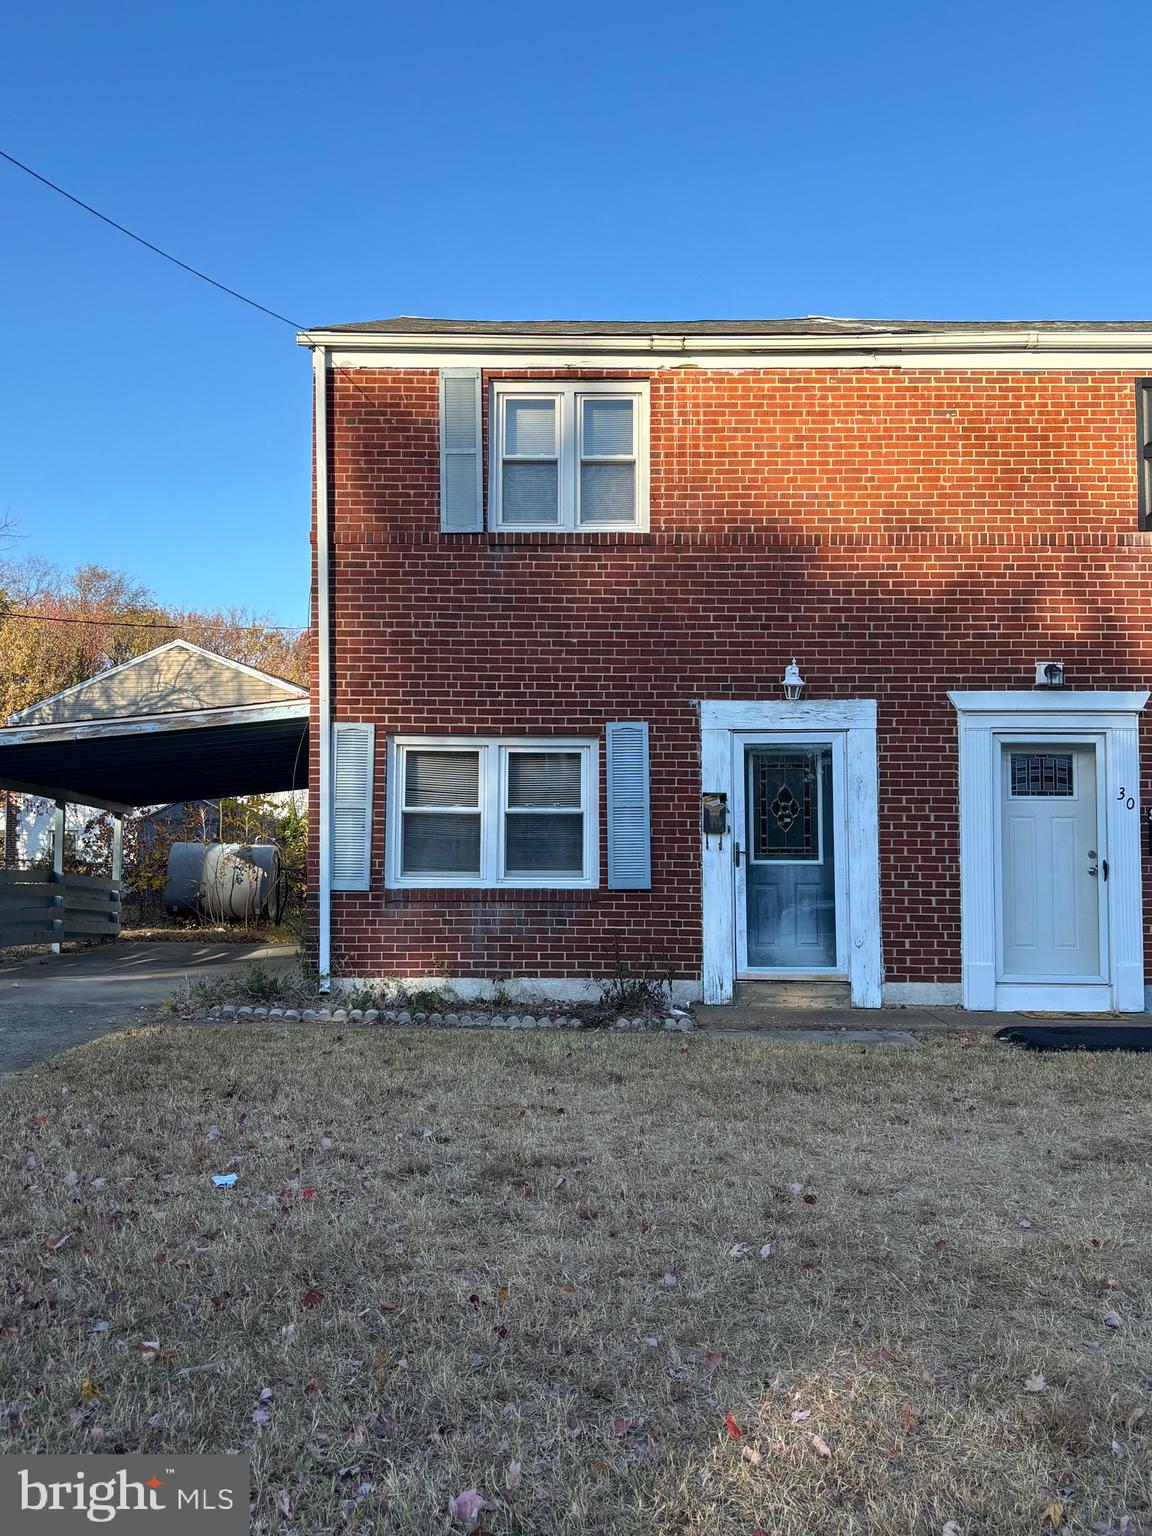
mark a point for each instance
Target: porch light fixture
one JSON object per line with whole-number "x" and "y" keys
{"x": 793, "y": 682}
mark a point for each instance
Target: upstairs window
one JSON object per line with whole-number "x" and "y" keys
{"x": 569, "y": 457}
{"x": 1144, "y": 448}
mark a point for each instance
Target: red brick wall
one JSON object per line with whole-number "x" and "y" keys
{"x": 901, "y": 533}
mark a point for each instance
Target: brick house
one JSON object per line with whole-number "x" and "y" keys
{"x": 799, "y": 651}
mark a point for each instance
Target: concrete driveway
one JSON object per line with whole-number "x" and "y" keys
{"x": 51, "y": 1002}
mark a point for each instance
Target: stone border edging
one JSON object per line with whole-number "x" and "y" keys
{"x": 678, "y": 1022}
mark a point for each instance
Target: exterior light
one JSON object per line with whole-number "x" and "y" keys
{"x": 1049, "y": 674}
{"x": 793, "y": 682}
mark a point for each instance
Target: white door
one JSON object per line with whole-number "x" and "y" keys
{"x": 789, "y": 855}
{"x": 1053, "y": 867}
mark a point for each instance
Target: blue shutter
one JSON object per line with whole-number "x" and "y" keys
{"x": 629, "y": 831}
{"x": 352, "y": 753}
{"x": 461, "y": 459}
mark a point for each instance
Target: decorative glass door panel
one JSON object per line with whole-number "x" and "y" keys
{"x": 789, "y": 857}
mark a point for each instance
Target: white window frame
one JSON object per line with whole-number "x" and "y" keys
{"x": 494, "y": 752}
{"x": 569, "y": 426}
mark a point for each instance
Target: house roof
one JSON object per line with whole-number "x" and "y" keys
{"x": 800, "y": 325}
{"x": 170, "y": 679}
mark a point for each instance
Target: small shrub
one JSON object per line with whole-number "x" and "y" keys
{"x": 630, "y": 992}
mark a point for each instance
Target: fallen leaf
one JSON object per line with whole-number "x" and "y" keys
{"x": 502, "y": 1293}
{"x": 752, "y": 1455}
{"x": 1035, "y": 1382}
{"x": 734, "y": 1430}
{"x": 766, "y": 1250}
{"x": 89, "y": 1391}
{"x": 515, "y": 1474}
{"x": 820, "y": 1446}
{"x": 1024, "y": 1223}
{"x": 711, "y": 1360}
{"x": 801, "y": 1414}
{"x": 908, "y": 1420}
{"x": 284, "y": 1504}
{"x": 1054, "y": 1514}
{"x": 1134, "y": 1417}
{"x": 670, "y": 1279}
{"x": 311, "y": 1297}
{"x": 1112, "y": 1320}
{"x": 261, "y": 1416}
{"x": 467, "y": 1508}
{"x": 950, "y": 1528}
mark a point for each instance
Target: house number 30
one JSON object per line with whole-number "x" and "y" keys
{"x": 1129, "y": 802}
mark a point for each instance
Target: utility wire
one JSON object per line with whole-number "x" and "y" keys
{"x": 53, "y": 618}
{"x": 140, "y": 240}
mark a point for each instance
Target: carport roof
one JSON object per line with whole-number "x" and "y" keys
{"x": 174, "y": 723}
{"x": 131, "y": 761}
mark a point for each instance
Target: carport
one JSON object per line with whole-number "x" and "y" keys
{"x": 178, "y": 723}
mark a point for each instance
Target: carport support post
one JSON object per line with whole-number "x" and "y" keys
{"x": 117, "y": 846}
{"x": 58, "y": 854}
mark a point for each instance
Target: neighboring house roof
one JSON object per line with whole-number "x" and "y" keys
{"x": 172, "y": 679}
{"x": 803, "y": 325}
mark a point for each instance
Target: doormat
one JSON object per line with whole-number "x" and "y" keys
{"x": 1078, "y": 1037}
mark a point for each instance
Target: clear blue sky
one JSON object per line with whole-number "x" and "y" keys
{"x": 633, "y": 159}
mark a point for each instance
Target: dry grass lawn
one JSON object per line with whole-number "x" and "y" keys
{"x": 619, "y": 1284}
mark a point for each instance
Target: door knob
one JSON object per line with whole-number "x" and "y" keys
{"x": 1092, "y": 869}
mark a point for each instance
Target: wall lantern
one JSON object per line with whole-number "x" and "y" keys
{"x": 1049, "y": 674}
{"x": 793, "y": 682}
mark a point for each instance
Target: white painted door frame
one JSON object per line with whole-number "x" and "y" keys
{"x": 987, "y": 720}
{"x": 854, "y": 723}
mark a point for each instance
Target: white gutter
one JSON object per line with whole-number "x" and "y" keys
{"x": 914, "y": 343}
{"x": 323, "y": 670}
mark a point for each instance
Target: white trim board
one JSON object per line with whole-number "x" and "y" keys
{"x": 653, "y": 362}
{"x": 985, "y": 720}
{"x": 855, "y": 721}
{"x": 142, "y": 725}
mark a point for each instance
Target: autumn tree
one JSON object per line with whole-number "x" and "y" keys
{"x": 58, "y": 628}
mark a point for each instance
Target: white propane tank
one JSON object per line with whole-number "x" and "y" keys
{"x": 228, "y": 882}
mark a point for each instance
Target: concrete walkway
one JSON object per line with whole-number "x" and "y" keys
{"x": 49, "y": 1003}
{"x": 729, "y": 1019}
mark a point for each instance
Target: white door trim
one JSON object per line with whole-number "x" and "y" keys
{"x": 984, "y": 719}
{"x": 855, "y": 722}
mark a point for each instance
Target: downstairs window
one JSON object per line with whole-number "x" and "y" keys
{"x": 492, "y": 813}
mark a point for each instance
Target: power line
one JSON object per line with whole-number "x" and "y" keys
{"x": 140, "y": 240}
{"x": 54, "y": 618}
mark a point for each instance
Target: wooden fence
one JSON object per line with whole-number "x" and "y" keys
{"x": 39, "y": 907}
